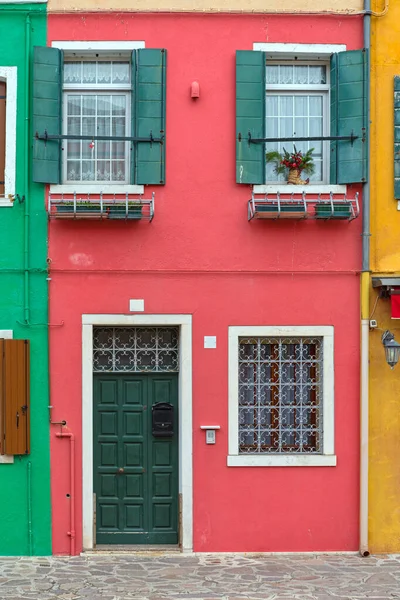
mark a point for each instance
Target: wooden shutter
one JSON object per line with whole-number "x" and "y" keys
{"x": 397, "y": 138}
{"x": 349, "y": 94}
{"x": 14, "y": 397}
{"x": 2, "y": 135}
{"x": 149, "y": 69}
{"x": 250, "y": 116}
{"x": 46, "y": 116}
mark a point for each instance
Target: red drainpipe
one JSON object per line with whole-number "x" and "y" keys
{"x": 71, "y": 533}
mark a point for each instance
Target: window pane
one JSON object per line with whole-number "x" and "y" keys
{"x": 301, "y": 74}
{"x": 74, "y": 105}
{"x": 72, "y": 72}
{"x": 299, "y": 115}
{"x": 89, "y": 105}
{"x": 286, "y": 74}
{"x": 88, "y": 170}
{"x": 317, "y": 74}
{"x": 272, "y": 74}
{"x": 280, "y": 395}
{"x": 316, "y": 106}
{"x": 103, "y": 72}
{"x": 120, "y": 72}
{"x": 88, "y": 72}
{"x": 301, "y": 106}
{"x": 92, "y": 116}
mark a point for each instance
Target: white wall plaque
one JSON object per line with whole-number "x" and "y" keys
{"x": 136, "y": 305}
{"x": 210, "y": 341}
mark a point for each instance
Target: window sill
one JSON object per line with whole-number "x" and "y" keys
{"x": 4, "y": 202}
{"x": 96, "y": 189}
{"x": 284, "y": 460}
{"x": 298, "y": 189}
{"x": 6, "y": 459}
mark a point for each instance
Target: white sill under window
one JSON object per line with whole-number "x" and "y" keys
{"x": 80, "y": 188}
{"x": 5, "y": 201}
{"x": 283, "y": 188}
{"x": 283, "y": 460}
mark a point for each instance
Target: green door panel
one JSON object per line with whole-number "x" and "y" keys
{"x": 138, "y": 505}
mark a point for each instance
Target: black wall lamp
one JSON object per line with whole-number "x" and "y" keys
{"x": 392, "y": 349}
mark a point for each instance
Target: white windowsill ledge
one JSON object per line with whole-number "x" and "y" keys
{"x": 96, "y": 189}
{"x": 4, "y": 202}
{"x": 285, "y": 460}
{"x": 298, "y": 189}
{"x": 6, "y": 459}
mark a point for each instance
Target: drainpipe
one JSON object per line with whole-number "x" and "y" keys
{"x": 365, "y": 278}
{"x": 71, "y": 532}
{"x": 29, "y": 502}
{"x": 26, "y": 168}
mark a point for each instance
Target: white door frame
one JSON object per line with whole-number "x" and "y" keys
{"x": 185, "y": 415}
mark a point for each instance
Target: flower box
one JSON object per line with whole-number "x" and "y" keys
{"x": 341, "y": 210}
{"x": 80, "y": 208}
{"x": 289, "y": 211}
{"x": 119, "y": 212}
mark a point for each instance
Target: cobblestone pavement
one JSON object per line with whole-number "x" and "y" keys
{"x": 201, "y": 577}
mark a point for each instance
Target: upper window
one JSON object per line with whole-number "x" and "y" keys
{"x": 290, "y": 92}
{"x": 280, "y": 396}
{"x": 99, "y": 115}
{"x": 297, "y": 105}
{"x": 97, "y": 97}
{"x": 8, "y": 117}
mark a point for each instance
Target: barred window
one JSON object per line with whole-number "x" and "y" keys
{"x": 280, "y": 395}
{"x": 135, "y": 349}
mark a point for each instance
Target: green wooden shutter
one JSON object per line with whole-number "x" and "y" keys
{"x": 148, "y": 115}
{"x": 250, "y": 116}
{"x": 349, "y": 94}
{"x": 46, "y": 115}
{"x": 397, "y": 138}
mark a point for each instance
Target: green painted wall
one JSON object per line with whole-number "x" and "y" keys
{"x": 15, "y": 536}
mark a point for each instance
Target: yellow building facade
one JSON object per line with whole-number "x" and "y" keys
{"x": 384, "y": 383}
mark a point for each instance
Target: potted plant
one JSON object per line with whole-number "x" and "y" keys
{"x": 292, "y": 164}
{"x": 118, "y": 211}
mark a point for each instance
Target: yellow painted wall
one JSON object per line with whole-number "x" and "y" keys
{"x": 384, "y": 474}
{"x": 261, "y": 6}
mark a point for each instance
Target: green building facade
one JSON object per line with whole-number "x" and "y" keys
{"x": 25, "y": 513}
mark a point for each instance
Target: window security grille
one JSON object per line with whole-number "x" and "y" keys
{"x": 280, "y": 395}
{"x": 135, "y": 349}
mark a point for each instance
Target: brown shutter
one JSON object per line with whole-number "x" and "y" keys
{"x": 2, "y": 135}
{"x": 14, "y": 397}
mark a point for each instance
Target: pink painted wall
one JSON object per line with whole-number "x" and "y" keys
{"x": 201, "y": 256}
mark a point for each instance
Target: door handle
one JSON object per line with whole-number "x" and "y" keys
{"x": 120, "y": 471}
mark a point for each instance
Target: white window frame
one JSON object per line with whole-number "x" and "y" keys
{"x": 327, "y": 458}
{"x": 9, "y": 76}
{"x": 6, "y": 459}
{"x": 72, "y": 90}
{"x": 103, "y": 49}
{"x": 305, "y": 52}
{"x": 322, "y": 89}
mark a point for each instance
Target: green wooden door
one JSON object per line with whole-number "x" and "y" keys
{"x": 135, "y": 474}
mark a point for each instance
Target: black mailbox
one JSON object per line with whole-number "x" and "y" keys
{"x": 163, "y": 419}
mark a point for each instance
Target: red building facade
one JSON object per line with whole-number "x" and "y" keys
{"x": 241, "y": 330}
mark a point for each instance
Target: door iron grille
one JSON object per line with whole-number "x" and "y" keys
{"x": 280, "y": 395}
{"x": 135, "y": 349}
